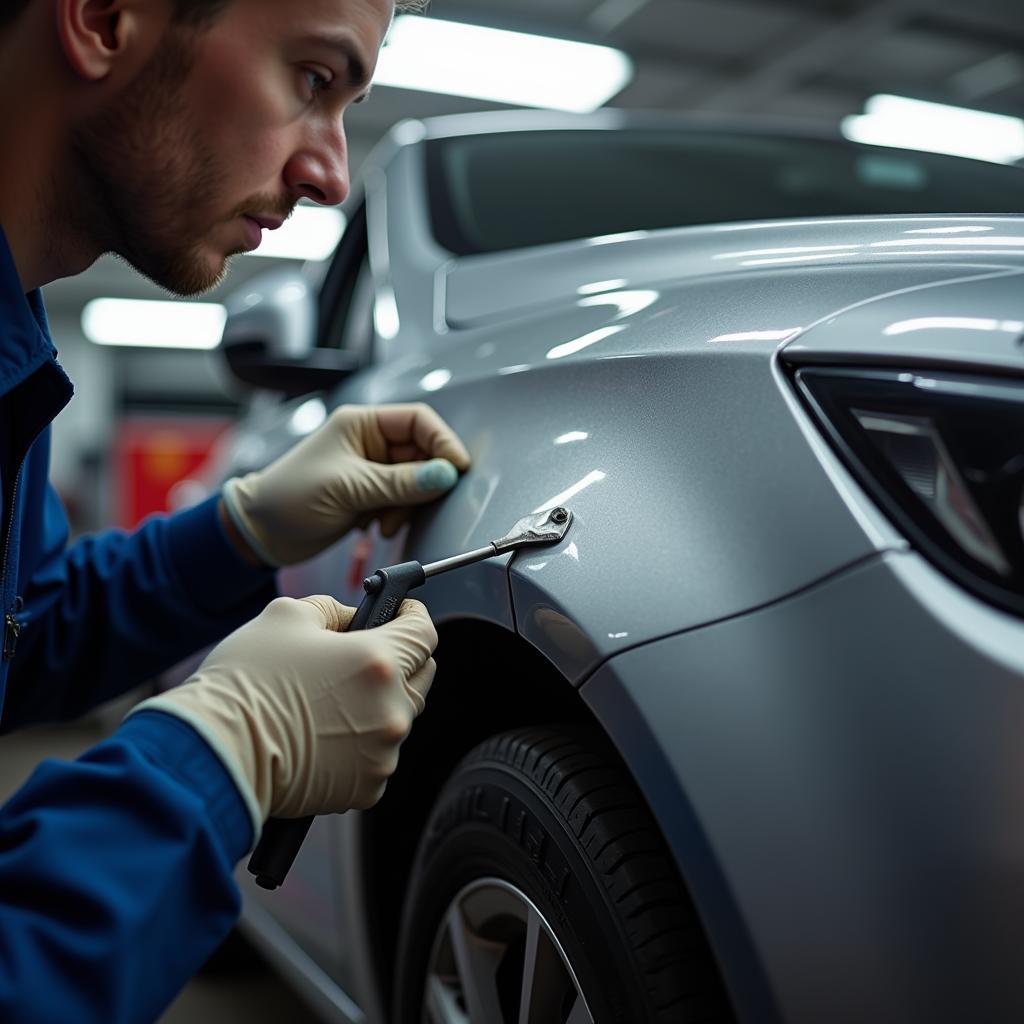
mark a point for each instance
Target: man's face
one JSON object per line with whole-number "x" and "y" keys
{"x": 241, "y": 118}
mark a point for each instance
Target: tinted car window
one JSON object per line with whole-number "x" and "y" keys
{"x": 346, "y": 298}
{"x": 507, "y": 191}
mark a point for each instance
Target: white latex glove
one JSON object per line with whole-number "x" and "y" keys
{"x": 308, "y": 719}
{"x": 364, "y": 462}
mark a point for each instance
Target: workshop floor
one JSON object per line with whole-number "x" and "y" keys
{"x": 248, "y": 992}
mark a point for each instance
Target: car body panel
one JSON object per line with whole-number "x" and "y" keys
{"x": 311, "y": 903}
{"x": 690, "y": 349}
{"x": 876, "y": 878}
{"x": 320, "y": 990}
{"x": 799, "y": 697}
{"x": 972, "y": 324}
{"x": 325, "y": 920}
{"x": 496, "y": 288}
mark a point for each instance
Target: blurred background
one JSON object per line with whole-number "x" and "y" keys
{"x": 149, "y": 409}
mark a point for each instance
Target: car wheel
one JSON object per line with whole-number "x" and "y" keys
{"x": 543, "y": 893}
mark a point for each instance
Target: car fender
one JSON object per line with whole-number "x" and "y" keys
{"x": 696, "y": 491}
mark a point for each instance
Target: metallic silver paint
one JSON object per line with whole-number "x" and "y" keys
{"x": 973, "y": 323}
{"x": 650, "y": 400}
{"x": 847, "y": 803}
{"x": 320, "y": 991}
{"x": 758, "y": 642}
{"x": 278, "y": 307}
{"x": 479, "y": 291}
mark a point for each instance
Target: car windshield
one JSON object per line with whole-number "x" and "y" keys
{"x": 507, "y": 191}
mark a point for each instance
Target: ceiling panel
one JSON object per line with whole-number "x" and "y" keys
{"x": 664, "y": 84}
{"x": 556, "y": 17}
{"x": 928, "y": 56}
{"x": 716, "y": 29}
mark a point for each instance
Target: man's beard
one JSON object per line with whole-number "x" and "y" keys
{"x": 147, "y": 176}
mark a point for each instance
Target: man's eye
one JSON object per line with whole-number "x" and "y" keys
{"x": 316, "y": 81}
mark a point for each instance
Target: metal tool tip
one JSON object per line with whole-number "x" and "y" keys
{"x": 547, "y": 527}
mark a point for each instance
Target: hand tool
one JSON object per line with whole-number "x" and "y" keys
{"x": 385, "y": 590}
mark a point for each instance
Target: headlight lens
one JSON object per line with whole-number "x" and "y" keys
{"x": 943, "y": 454}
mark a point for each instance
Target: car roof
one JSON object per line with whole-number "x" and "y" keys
{"x": 611, "y": 119}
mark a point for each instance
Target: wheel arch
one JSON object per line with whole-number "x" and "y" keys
{"x": 521, "y": 688}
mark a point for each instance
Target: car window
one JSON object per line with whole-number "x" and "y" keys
{"x": 507, "y": 191}
{"x": 346, "y": 298}
{"x": 356, "y": 333}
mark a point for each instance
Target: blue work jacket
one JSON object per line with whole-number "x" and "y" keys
{"x": 116, "y": 870}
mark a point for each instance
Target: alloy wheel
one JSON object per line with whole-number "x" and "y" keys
{"x": 496, "y": 960}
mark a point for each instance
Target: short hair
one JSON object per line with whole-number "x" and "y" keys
{"x": 196, "y": 13}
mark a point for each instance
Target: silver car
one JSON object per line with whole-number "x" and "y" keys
{"x": 748, "y": 744}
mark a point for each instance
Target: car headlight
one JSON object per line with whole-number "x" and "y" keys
{"x": 943, "y": 454}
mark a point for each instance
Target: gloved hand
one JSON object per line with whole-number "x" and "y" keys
{"x": 364, "y": 462}
{"x": 307, "y": 718}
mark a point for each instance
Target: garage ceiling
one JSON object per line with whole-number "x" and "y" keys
{"x": 811, "y": 59}
{"x": 808, "y": 58}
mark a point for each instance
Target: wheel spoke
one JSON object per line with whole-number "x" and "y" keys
{"x": 545, "y": 980}
{"x": 494, "y": 944}
{"x": 442, "y": 1007}
{"x": 579, "y": 1014}
{"x": 477, "y": 962}
{"x": 533, "y": 931}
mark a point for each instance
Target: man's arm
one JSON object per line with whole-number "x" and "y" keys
{"x": 114, "y": 609}
{"x": 117, "y": 608}
{"x": 116, "y": 876}
{"x": 116, "y": 869}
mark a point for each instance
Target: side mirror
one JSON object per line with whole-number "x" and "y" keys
{"x": 269, "y": 338}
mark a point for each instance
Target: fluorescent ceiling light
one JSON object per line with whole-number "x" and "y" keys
{"x": 937, "y": 128}
{"x": 310, "y": 233}
{"x": 150, "y": 324}
{"x": 505, "y": 67}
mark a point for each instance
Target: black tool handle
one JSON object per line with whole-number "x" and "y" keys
{"x": 282, "y": 838}
{"x": 385, "y": 590}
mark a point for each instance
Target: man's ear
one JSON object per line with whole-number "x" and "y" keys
{"x": 96, "y": 35}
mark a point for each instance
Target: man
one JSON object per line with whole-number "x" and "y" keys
{"x": 172, "y": 132}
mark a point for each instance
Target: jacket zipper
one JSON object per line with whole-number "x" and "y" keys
{"x": 12, "y": 627}
{"x": 12, "y": 630}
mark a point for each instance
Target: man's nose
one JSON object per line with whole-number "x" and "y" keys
{"x": 319, "y": 170}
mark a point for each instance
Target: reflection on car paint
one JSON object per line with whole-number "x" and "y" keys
{"x": 629, "y": 303}
{"x": 569, "y": 348}
{"x": 594, "y": 477}
{"x": 962, "y": 323}
{"x": 307, "y": 417}
{"x": 435, "y": 380}
{"x": 601, "y": 286}
{"x": 783, "y": 335}
{"x": 385, "y": 314}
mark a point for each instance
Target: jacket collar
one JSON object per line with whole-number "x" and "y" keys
{"x": 25, "y": 342}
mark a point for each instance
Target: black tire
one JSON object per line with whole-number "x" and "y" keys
{"x": 552, "y": 813}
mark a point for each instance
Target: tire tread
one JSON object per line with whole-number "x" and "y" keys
{"x": 583, "y": 782}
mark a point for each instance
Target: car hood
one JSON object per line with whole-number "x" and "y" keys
{"x": 495, "y": 288}
{"x": 976, "y": 323}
